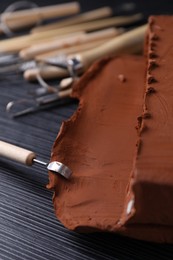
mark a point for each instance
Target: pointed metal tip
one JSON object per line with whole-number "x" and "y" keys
{"x": 40, "y": 162}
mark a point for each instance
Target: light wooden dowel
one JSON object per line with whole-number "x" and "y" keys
{"x": 16, "y": 44}
{"x": 76, "y": 40}
{"x": 129, "y": 42}
{"x": 47, "y": 72}
{"x": 66, "y": 82}
{"x": 81, "y": 18}
{"x": 43, "y": 46}
{"x": 21, "y": 19}
{"x": 65, "y": 93}
{"x": 16, "y": 153}
{"x": 70, "y": 50}
{"x": 92, "y": 25}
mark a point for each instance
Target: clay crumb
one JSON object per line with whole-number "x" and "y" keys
{"x": 121, "y": 77}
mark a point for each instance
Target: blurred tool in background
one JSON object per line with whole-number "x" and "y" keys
{"x": 66, "y": 47}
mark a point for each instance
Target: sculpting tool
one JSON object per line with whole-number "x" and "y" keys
{"x": 130, "y": 42}
{"x": 42, "y": 63}
{"x": 18, "y": 43}
{"x": 92, "y": 15}
{"x": 16, "y": 20}
{"x": 14, "y": 58}
{"x": 28, "y": 158}
{"x": 99, "y": 13}
{"x": 66, "y": 45}
{"x": 25, "y": 106}
{"x": 75, "y": 39}
{"x": 47, "y": 68}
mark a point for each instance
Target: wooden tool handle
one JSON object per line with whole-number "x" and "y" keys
{"x": 18, "y": 43}
{"x": 45, "y": 46}
{"x": 16, "y": 153}
{"x": 47, "y": 72}
{"x": 93, "y": 25}
{"x": 21, "y": 19}
{"x": 71, "y": 50}
{"x": 84, "y": 17}
{"x": 130, "y": 42}
{"x": 74, "y": 40}
{"x": 43, "y": 13}
{"x": 51, "y": 72}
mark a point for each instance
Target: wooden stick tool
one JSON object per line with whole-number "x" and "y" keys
{"x": 25, "y": 18}
{"x": 80, "y": 18}
{"x": 73, "y": 40}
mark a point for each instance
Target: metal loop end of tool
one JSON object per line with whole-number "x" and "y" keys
{"x": 19, "y": 107}
{"x": 60, "y": 168}
{"x": 71, "y": 68}
{"x": 22, "y": 107}
{"x": 45, "y": 87}
{"x": 74, "y": 67}
{"x": 48, "y": 89}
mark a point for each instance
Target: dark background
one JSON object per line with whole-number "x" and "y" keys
{"x": 28, "y": 228}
